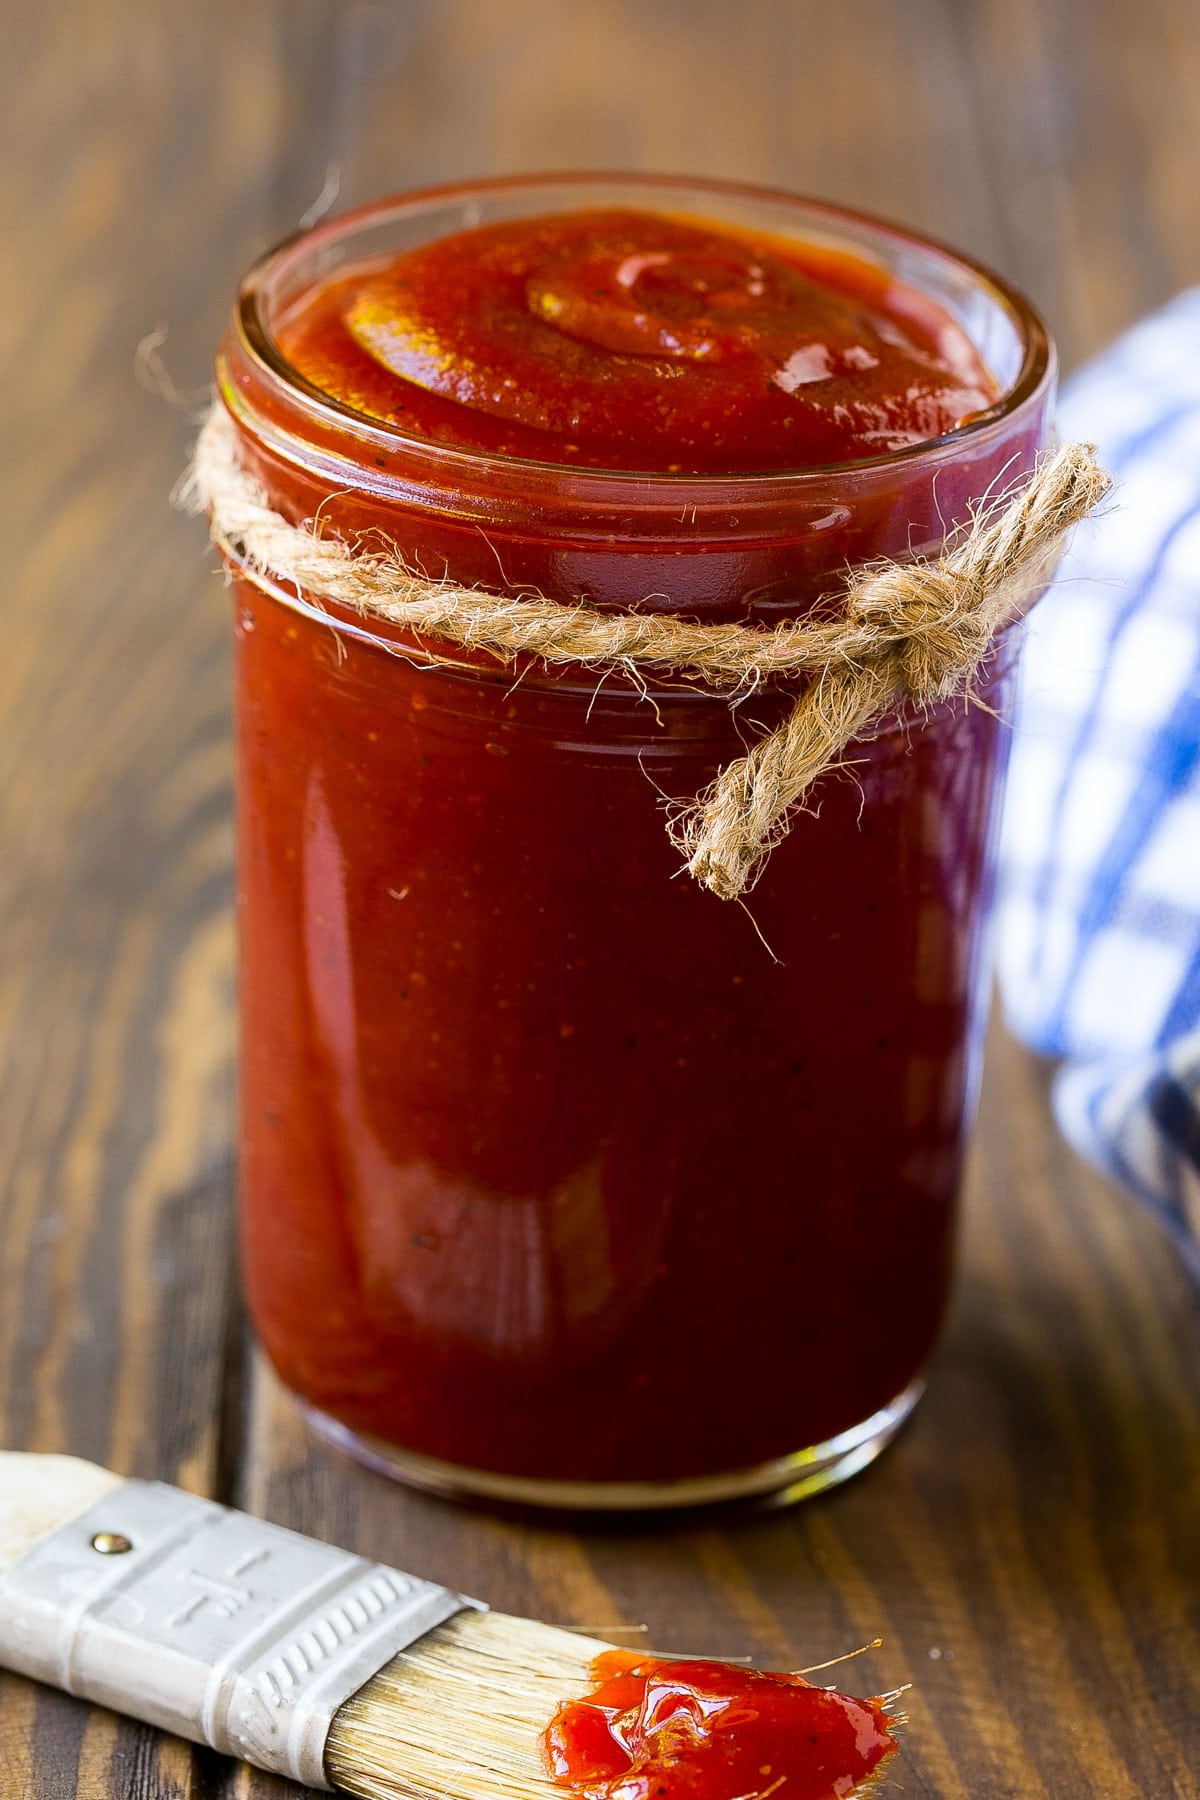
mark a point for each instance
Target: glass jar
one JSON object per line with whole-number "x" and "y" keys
{"x": 564, "y": 1182}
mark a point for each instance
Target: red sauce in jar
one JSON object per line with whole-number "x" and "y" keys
{"x": 633, "y": 340}
{"x": 664, "y": 1730}
{"x": 548, "y": 1168}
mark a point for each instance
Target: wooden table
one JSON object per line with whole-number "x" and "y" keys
{"x": 1029, "y": 1549}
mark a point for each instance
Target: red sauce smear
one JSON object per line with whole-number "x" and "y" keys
{"x": 655, "y": 1730}
{"x": 624, "y": 339}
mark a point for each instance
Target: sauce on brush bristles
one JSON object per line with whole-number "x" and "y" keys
{"x": 489, "y": 1707}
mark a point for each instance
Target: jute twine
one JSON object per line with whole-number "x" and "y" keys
{"x": 917, "y": 630}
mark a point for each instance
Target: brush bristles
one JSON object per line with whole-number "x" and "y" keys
{"x": 460, "y": 1715}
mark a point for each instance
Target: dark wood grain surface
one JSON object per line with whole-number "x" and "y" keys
{"x": 1030, "y": 1550}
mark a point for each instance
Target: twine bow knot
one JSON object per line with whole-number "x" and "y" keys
{"x": 919, "y": 630}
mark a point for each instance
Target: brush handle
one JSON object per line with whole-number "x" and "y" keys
{"x": 210, "y": 1624}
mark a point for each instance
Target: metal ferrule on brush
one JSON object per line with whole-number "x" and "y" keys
{"x": 210, "y": 1624}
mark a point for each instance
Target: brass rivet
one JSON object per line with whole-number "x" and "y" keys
{"x": 111, "y": 1543}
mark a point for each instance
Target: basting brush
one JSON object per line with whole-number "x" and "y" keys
{"x": 303, "y": 1660}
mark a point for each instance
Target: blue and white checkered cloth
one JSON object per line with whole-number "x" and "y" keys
{"x": 1099, "y": 919}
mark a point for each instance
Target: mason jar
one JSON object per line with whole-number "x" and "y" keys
{"x": 564, "y": 1182}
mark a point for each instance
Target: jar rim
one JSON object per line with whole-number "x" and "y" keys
{"x": 255, "y": 340}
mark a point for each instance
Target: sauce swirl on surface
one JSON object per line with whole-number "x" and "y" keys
{"x": 630, "y": 340}
{"x": 659, "y": 1730}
